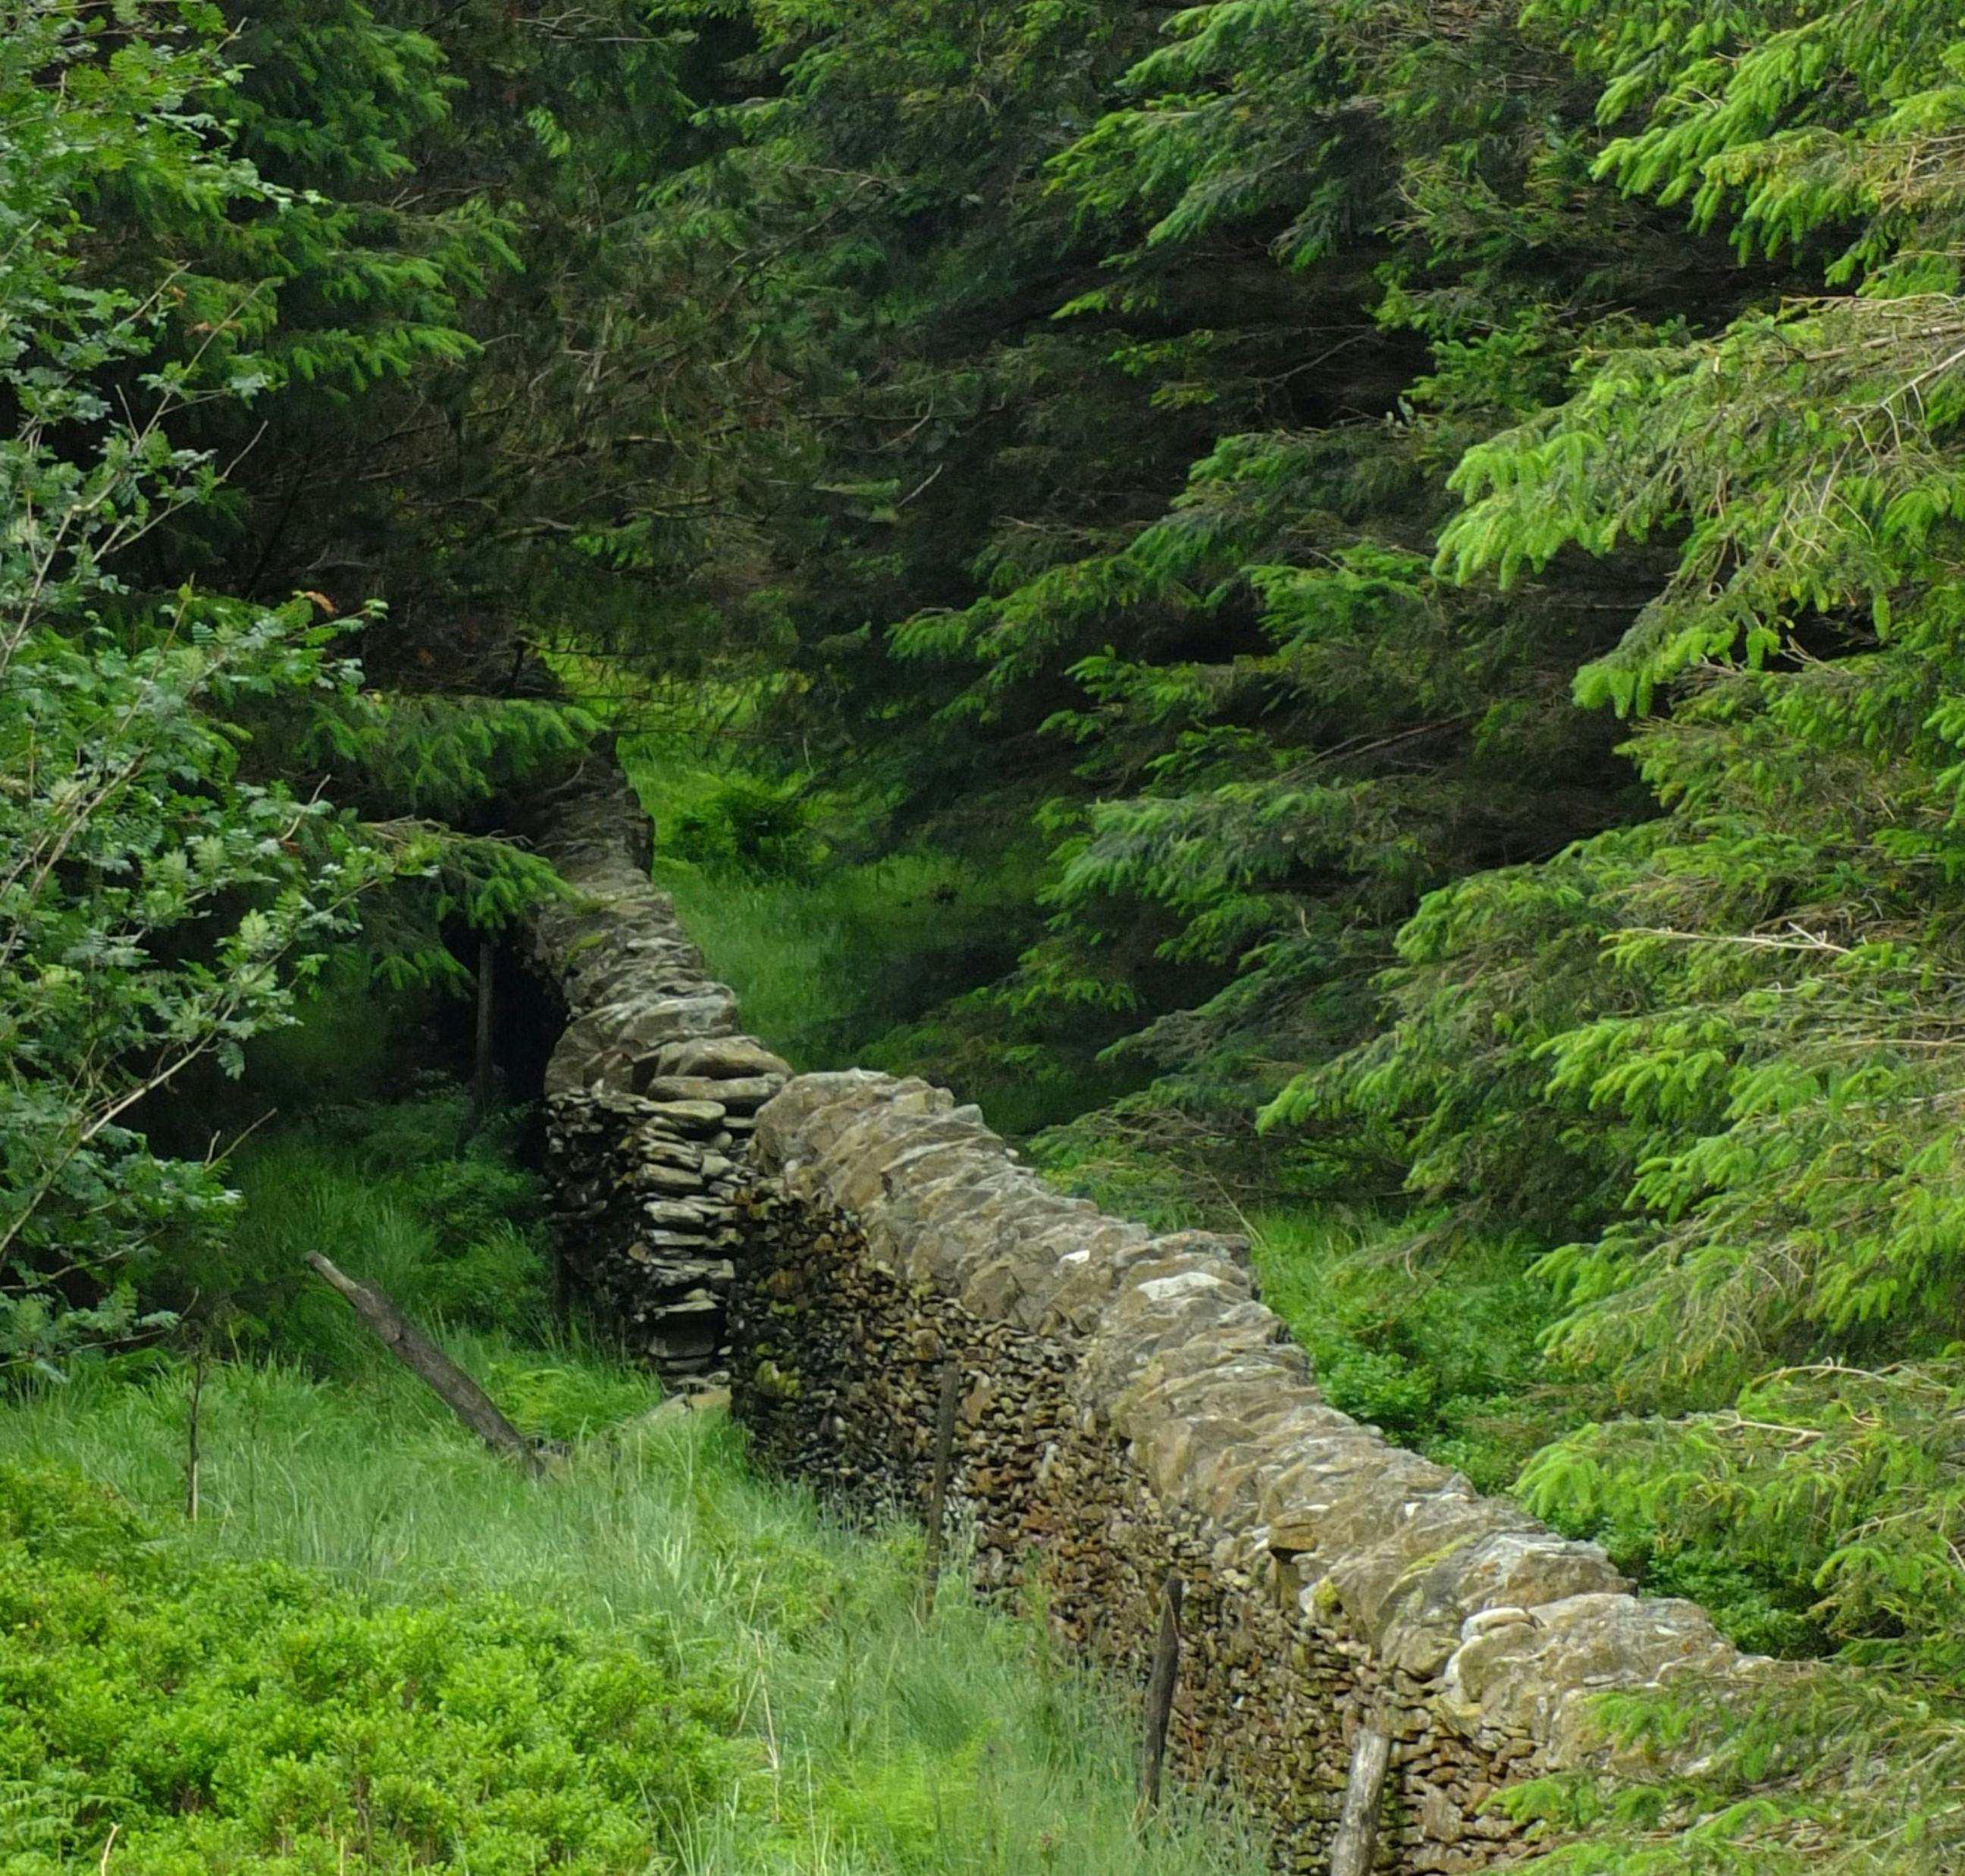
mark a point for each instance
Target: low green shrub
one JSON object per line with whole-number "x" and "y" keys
{"x": 246, "y": 1715}
{"x": 744, "y": 821}
{"x": 1441, "y": 1354}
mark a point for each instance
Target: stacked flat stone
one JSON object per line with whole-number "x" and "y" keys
{"x": 651, "y": 1094}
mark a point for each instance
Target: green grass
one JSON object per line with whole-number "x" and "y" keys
{"x": 871, "y": 1741}
{"x": 824, "y": 965}
{"x": 451, "y": 1228}
{"x": 812, "y": 1724}
{"x": 188, "y": 1712}
{"x": 842, "y": 955}
{"x": 827, "y": 951}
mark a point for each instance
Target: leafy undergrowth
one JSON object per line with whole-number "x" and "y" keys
{"x": 379, "y": 1649}
{"x": 225, "y": 1715}
{"x": 1443, "y": 1356}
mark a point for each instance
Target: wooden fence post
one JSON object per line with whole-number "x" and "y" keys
{"x": 945, "y": 1465}
{"x": 1356, "y": 1843}
{"x": 1160, "y": 1686}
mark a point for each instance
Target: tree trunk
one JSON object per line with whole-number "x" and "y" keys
{"x": 481, "y": 1079}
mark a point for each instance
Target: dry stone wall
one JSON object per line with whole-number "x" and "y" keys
{"x": 1128, "y": 1406}
{"x": 651, "y": 1094}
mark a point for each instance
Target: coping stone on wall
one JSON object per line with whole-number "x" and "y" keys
{"x": 1179, "y": 1359}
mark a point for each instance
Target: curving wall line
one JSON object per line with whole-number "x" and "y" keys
{"x": 830, "y": 1243}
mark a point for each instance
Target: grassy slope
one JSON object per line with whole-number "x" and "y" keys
{"x": 816, "y": 1725}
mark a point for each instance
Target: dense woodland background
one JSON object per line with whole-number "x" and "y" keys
{"x": 1351, "y": 612}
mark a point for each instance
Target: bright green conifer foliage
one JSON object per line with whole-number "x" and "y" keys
{"x": 1623, "y": 388}
{"x": 1405, "y": 559}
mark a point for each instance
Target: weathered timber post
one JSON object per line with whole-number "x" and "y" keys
{"x": 1356, "y": 1842}
{"x": 422, "y": 1357}
{"x": 938, "y": 1497}
{"x": 193, "y": 1457}
{"x": 1160, "y": 1685}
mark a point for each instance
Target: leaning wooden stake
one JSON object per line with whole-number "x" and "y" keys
{"x": 1356, "y": 1843}
{"x": 937, "y": 1497}
{"x": 422, "y": 1357}
{"x": 1160, "y": 1685}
